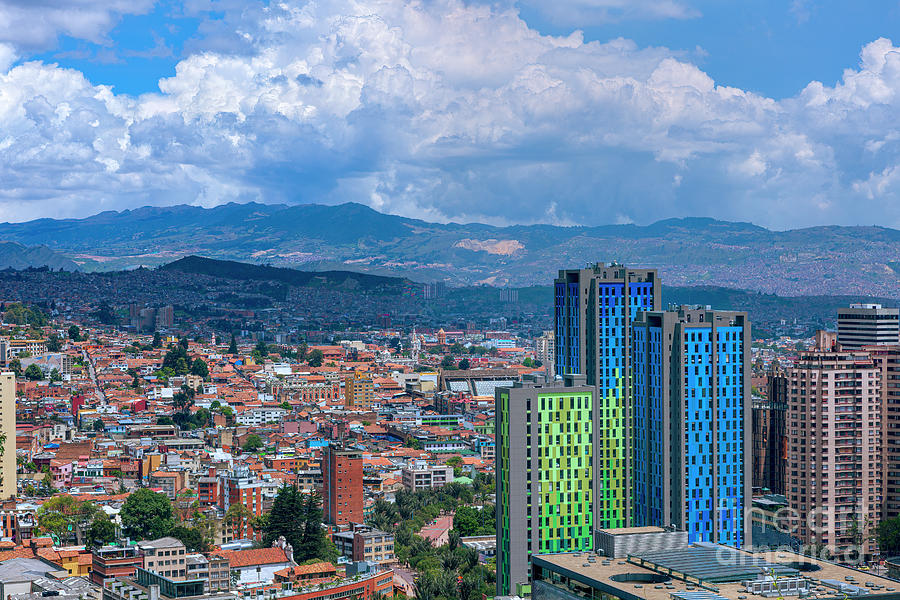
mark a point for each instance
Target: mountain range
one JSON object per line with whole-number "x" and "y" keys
{"x": 689, "y": 251}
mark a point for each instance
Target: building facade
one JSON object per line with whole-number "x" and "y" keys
{"x": 8, "y": 431}
{"x": 593, "y": 312}
{"x": 359, "y": 391}
{"x": 342, "y": 486}
{"x": 692, "y": 424}
{"x": 545, "y": 474}
{"x": 769, "y": 438}
{"x": 868, "y": 325}
{"x": 835, "y": 453}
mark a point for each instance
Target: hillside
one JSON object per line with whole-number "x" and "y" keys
{"x": 345, "y": 280}
{"x": 687, "y": 252}
{"x": 17, "y": 256}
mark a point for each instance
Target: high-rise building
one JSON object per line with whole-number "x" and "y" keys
{"x": 342, "y": 486}
{"x": 543, "y": 350}
{"x": 868, "y": 325}
{"x": 545, "y": 440}
{"x": 769, "y": 438}
{"x": 359, "y": 391}
{"x": 692, "y": 423}
{"x": 593, "y": 311}
{"x": 835, "y": 449}
{"x": 887, "y": 361}
{"x": 8, "y": 431}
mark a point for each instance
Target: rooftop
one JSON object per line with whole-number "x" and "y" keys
{"x": 708, "y": 572}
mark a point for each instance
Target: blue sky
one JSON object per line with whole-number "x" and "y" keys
{"x": 772, "y": 47}
{"x": 576, "y": 111}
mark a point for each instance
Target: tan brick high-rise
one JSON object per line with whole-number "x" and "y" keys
{"x": 8, "y": 429}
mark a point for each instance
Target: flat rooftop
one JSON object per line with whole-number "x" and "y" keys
{"x": 708, "y": 574}
{"x": 632, "y": 530}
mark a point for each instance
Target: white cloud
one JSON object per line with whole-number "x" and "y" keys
{"x": 443, "y": 109}
{"x": 36, "y": 24}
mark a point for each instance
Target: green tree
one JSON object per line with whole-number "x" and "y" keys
{"x": 261, "y": 348}
{"x": 286, "y": 405}
{"x": 253, "y": 443}
{"x": 298, "y": 517}
{"x": 53, "y": 343}
{"x": 316, "y": 357}
{"x": 192, "y": 538}
{"x": 157, "y": 340}
{"x": 15, "y": 365}
{"x": 237, "y": 518}
{"x": 888, "y": 534}
{"x": 464, "y": 364}
{"x": 232, "y": 347}
{"x": 200, "y": 368}
{"x": 528, "y": 362}
{"x": 147, "y": 515}
{"x": 54, "y": 375}
{"x": 101, "y": 532}
{"x": 74, "y": 333}
{"x": 448, "y": 363}
{"x": 98, "y": 425}
{"x": 33, "y": 373}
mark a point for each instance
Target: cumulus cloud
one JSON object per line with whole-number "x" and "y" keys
{"x": 450, "y": 110}
{"x": 36, "y": 24}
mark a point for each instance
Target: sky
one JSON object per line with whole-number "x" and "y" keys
{"x": 781, "y": 113}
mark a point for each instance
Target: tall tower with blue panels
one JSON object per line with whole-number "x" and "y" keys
{"x": 593, "y": 310}
{"x": 692, "y": 423}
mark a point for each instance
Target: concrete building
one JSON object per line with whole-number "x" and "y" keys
{"x": 887, "y": 361}
{"x": 8, "y": 431}
{"x": 868, "y": 325}
{"x": 342, "y": 486}
{"x": 365, "y": 543}
{"x": 359, "y": 391}
{"x": 692, "y": 423}
{"x": 421, "y": 476}
{"x": 593, "y": 312}
{"x": 165, "y": 556}
{"x": 835, "y": 449}
{"x": 545, "y": 440}
{"x": 110, "y": 562}
{"x": 702, "y": 573}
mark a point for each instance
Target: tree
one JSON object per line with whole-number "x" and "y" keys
{"x": 157, "y": 340}
{"x": 888, "y": 534}
{"x": 286, "y": 405}
{"x": 237, "y": 518}
{"x": 448, "y": 363}
{"x": 15, "y": 365}
{"x": 261, "y": 348}
{"x": 298, "y": 517}
{"x": 33, "y": 373}
{"x": 147, "y": 515}
{"x": 183, "y": 343}
{"x": 63, "y": 516}
{"x": 74, "y": 333}
{"x": 232, "y": 347}
{"x": 528, "y": 362}
{"x": 200, "y": 368}
{"x": 101, "y": 532}
{"x": 53, "y": 343}
{"x": 54, "y": 375}
{"x": 192, "y": 538}
{"x": 464, "y": 364}
{"x": 316, "y": 358}
{"x": 253, "y": 443}
{"x": 98, "y": 425}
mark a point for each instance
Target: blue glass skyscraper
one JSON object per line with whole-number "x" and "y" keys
{"x": 594, "y": 309}
{"x": 692, "y": 412}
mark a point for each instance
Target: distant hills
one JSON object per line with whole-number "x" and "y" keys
{"x": 344, "y": 280}
{"x": 832, "y": 260}
{"x": 17, "y": 256}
